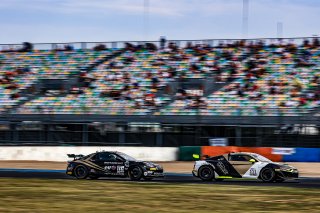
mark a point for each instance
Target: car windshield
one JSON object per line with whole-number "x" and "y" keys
{"x": 126, "y": 157}
{"x": 261, "y": 158}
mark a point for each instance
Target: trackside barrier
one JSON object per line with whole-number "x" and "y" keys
{"x": 220, "y": 150}
{"x": 276, "y": 154}
{"x": 186, "y": 152}
{"x": 59, "y": 153}
{"x": 303, "y": 155}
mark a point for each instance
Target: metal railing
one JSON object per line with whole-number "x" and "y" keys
{"x": 180, "y": 43}
{"x": 240, "y": 111}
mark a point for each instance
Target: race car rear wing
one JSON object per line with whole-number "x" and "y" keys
{"x": 75, "y": 157}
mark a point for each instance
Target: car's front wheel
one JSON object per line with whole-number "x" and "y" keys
{"x": 81, "y": 172}
{"x": 206, "y": 173}
{"x": 267, "y": 175}
{"x": 135, "y": 173}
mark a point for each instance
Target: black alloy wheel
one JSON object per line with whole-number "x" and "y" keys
{"x": 267, "y": 175}
{"x": 81, "y": 172}
{"x": 135, "y": 173}
{"x": 206, "y": 173}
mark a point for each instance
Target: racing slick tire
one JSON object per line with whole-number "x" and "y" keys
{"x": 206, "y": 173}
{"x": 81, "y": 172}
{"x": 135, "y": 173}
{"x": 267, "y": 175}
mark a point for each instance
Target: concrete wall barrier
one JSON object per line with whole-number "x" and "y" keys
{"x": 59, "y": 153}
{"x": 220, "y": 150}
{"x": 276, "y": 154}
{"x": 186, "y": 152}
{"x": 303, "y": 155}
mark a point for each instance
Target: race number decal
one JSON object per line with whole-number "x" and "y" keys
{"x": 120, "y": 169}
{"x": 222, "y": 167}
{"x": 253, "y": 172}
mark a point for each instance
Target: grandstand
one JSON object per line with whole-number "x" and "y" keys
{"x": 255, "y": 92}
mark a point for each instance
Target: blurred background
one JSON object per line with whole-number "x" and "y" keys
{"x": 159, "y": 80}
{"x": 165, "y": 85}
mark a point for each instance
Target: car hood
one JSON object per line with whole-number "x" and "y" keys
{"x": 151, "y": 164}
{"x": 284, "y": 166}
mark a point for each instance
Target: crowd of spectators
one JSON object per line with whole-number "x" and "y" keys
{"x": 275, "y": 75}
{"x": 283, "y": 74}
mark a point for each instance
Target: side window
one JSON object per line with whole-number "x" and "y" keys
{"x": 108, "y": 157}
{"x": 239, "y": 158}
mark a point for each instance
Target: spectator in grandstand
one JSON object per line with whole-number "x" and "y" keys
{"x": 302, "y": 101}
{"x": 100, "y": 47}
{"x": 315, "y": 43}
{"x": 149, "y": 100}
{"x": 26, "y": 47}
{"x": 173, "y": 47}
{"x": 151, "y": 47}
{"x": 15, "y": 96}
{"x": 197, "y": 103}
{"x": 162, "y": 42}
{"x": 240, "y": 92}
{"x": 181, "y": 94}
{"x": 68, "y": 47}
{"x": 316, "y": 80}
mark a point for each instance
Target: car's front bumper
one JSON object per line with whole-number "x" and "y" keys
{"x": 195, "y": 173}
{"x": 154, "y": 174}
{"x": 288, "y": 174}
{"x": 69, "y": 170}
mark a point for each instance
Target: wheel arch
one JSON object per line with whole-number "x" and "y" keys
{"x": 206, "y": 166}
{"x": 83, "y": 165}
{"x": 271, "y": 166}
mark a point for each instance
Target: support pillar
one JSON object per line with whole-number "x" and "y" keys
{"x": 159, "y": 139}
{"x": 238, "y": 136}
{"x": 85, "y": 134}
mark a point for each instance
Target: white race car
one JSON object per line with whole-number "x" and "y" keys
{"x": 242, "y": 165}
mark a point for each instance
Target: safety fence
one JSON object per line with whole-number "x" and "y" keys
{"x": 182, "y": 153}
{"x": 180, "y": 43}
{"x": 59, "y": 153}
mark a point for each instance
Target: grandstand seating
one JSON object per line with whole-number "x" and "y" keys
{"x": 266, "y": 80}
{"x": 281, "y": 70}
{"x": 40, "y": 64}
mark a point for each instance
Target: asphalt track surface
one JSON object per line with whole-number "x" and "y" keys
{"x": 174, "y": 178}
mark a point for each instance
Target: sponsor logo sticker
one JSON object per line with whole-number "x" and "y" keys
{"x": 283, "y": 151}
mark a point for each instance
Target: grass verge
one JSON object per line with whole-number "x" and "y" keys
{"x": 40, "y": 195}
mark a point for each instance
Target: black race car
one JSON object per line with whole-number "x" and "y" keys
{"x": 111, "y": 164}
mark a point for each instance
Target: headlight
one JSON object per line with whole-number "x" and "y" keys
{"x": 286, "y": 169}
{"x": 148, "y": 164}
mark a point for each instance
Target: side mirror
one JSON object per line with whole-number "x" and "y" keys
{"x": 196, "y": 156}
{"x": 252, "y": 160}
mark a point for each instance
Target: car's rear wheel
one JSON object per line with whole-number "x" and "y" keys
{"x": 206, "y": 173}
{"x": 81, "y": 172}
{"x": 267, "y": 175}
{"x": 135, "y": 173}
